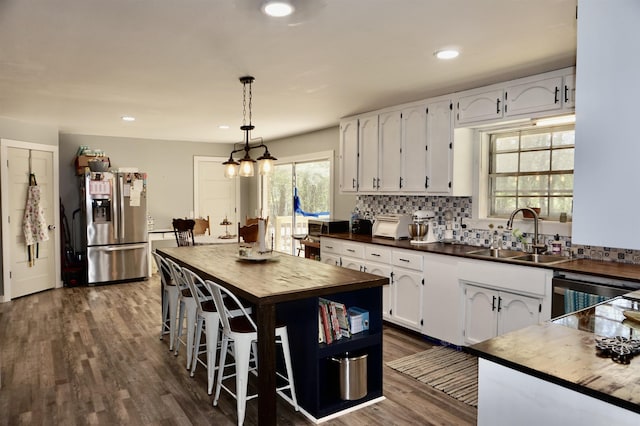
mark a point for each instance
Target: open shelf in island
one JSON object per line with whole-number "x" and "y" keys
{"x": 316, "y": 374}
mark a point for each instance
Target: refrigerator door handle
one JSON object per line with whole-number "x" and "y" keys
{"x": 114, "y": 210}
{"x": 122, "y": 247}
{"x": 121, "y": 192}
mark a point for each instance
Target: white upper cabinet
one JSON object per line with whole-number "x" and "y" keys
{"x": 536, "y": 96}
{"x": 533, "y": 96}
{"x": 390, "y": 131}
{"x": 421, "y": 148}
{"x": 349, "y": 155}
{"x": 414, "y": 149}
{"x": 368, "y": 150}
{"x": 406, "y": 151}
{"x": 439, "y": 146}
{"x": 569, "y": 91}
{"x": 480, "y": 106}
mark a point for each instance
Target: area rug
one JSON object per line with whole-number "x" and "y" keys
{"x": 453, "y": 372}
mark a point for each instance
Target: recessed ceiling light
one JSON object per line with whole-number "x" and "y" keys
{"x": 128, "y": 118}
{"x": 223, "y": 127}
{"x": 277, "y": 9}
{"x": 446, "y": 54}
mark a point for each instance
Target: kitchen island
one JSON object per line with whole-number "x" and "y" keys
{"x": 550, "y": 373}
{"x": 289, "y": 287}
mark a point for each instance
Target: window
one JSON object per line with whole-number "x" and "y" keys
{"x": 531, "y": 168}
{"x": 312, "y": 178}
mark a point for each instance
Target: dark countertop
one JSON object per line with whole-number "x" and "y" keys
{"x": 624, "y": 271}
{"x": 563, "y": 352}
{"x": 554, "y": 352}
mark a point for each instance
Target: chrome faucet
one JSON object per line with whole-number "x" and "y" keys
{"x": 537, "y": 247}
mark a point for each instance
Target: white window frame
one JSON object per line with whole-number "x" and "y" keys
{"x": 480, "y": 196}
{"x": 520, "y": 133}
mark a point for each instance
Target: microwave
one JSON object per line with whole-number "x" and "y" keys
{"x": 319, "y": 227}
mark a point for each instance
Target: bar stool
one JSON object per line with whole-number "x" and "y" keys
{"x": 207, "y": 320}
{"x": 242, "y": 333}
{"x": 170, "y": 294}
{"x": 186, "y": 308}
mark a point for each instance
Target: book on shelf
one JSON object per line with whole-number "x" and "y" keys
{"x": 320, "y": 327}
{"x": 326, "y": 322}
{"x": 334, "y": 319}
{"x": 343, "y": 320}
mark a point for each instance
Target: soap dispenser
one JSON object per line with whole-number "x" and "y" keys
{"x": 496, "y": 239}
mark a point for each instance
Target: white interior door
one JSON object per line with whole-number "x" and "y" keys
{"x": 214, "y": 195}
{"x": 20, "y": 278}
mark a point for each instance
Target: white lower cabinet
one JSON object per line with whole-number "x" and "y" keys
{"x": 330, "y": 259}
{"x": 406, "y": 298}
{"x": 351, "y": 263}
{"x": 407, "y": 284}
{"x": 384, "y": 271}
{"x": 442, "y": 301}
{"x": 490, "y": 313}
{"x": 456, "y": 300}
{"x": 499, "y": 298}
{"x": 330, "y": 251}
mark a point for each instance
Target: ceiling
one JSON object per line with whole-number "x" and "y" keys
{"x": 174, "y": 64}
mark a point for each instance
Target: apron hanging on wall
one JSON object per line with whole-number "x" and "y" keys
{"x": 33, "y": 223}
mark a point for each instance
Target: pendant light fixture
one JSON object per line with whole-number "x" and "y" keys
{"x": 246, "y": 166}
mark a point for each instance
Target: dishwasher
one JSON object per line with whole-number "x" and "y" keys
{"x": 572, "y": 292}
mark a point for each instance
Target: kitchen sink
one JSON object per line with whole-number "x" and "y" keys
{"x": 496, "y": 253}
{"x": 546, "y": 259}
{"x": 519, "y": 256}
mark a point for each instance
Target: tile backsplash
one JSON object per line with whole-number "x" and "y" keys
{"x": 369, "y": 206}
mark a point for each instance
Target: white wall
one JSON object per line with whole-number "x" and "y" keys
{"x": 169, "y": 165}
{"x": 27, "y": 132}
{"x": 606, "y": 204}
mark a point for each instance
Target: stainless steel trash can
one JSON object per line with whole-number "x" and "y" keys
{"x": 353, "y": 376}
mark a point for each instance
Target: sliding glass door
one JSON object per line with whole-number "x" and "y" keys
{"x": 311, "y": 179}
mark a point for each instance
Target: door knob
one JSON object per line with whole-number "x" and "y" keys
{"x": 51, "y": 227}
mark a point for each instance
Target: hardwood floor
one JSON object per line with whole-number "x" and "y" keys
{"x": 92, "y": 355}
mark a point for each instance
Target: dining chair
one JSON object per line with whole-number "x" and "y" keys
{"x": 170, "y": 294}
{"x": 248, "y": 233}
{"x": 242, "y": 333}
{"x": 186, "y": 308}
{"x": 299, "y": 238}
{"x": 183, "y": 230}
{"x": 202, "y": 226}
{"x": 207, "y": 321}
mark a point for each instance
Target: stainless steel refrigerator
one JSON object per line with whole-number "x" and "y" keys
{"x": 115, "y": 213}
